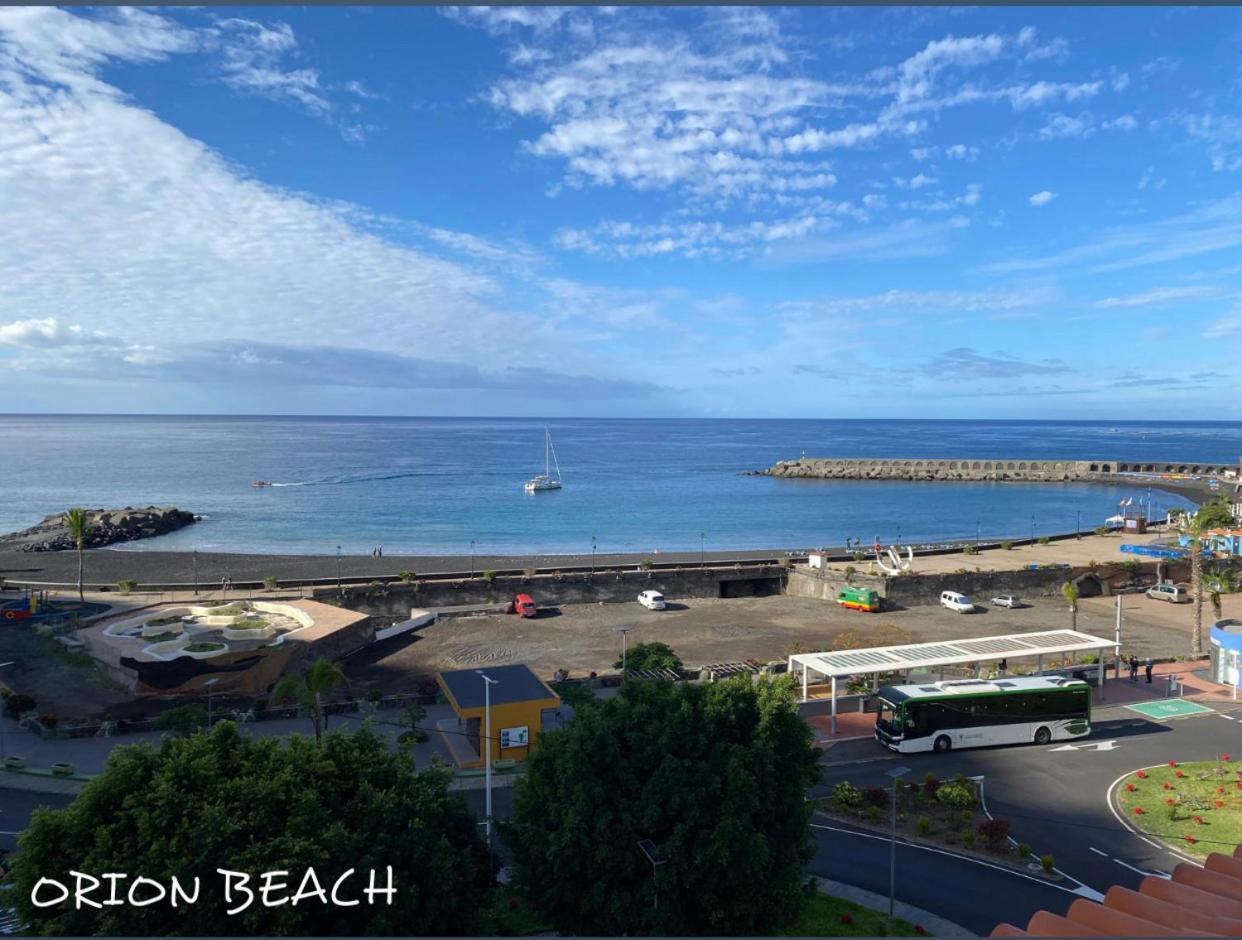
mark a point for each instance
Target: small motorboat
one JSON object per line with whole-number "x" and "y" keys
{"x": 260, "y": 483}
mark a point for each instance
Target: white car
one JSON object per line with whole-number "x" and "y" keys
{"x": 652, "y": 600}
{"x": 957, "y": 602}
{"x": 1006, "y": 600}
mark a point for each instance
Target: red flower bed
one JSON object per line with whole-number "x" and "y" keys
{"x": 1130, "y": 787}
{"x": 1142, "y": 775}
{"x": 1178, "y": 773}
{"x": 1191, "y": 839}
{"x": 1198, "y": 820}
{"x": 1172, "y": 763}
{"x": 1225, "y": 758}
{"x": 1138, "y": 811}
{"x": 1218, "y": 803}
{"x": 1170, "y": 801}
{"x": 1168, "y": 786}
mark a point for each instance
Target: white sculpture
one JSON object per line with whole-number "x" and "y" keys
{"x": 898, "y": 566}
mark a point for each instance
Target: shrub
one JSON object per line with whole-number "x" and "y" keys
{"x": 968, "y": 838}
{"x": 184, "y": 719}
{"x": 1046, "y": 862}
{"x": 270, "y": 583}
{"x": 489, "y": 575}
{"x": 1007, "y": 545}
{"x": 18, "y": 703}
{"x": 876, "y": 796}
{"x": 846, "y": 794}
{"x": 994, "y": 833}
{"x": 850, "y": 571}
{"x": 407, "y": 576}
{"x": 1043, "y": 540}
{"x": 1024, "y": 850}
{"x": 125, "y": 585}
{"x": 1101, "y": 530}
{"x": 923, "y": 825}
{"x": 645, "y": 564}
{"x": 970, "y": 550}
{"x": 874, "y": 813}
{"x": 967, "y": 816}
{"x": 859, "y": 556}
{"x": 955, "y": 796}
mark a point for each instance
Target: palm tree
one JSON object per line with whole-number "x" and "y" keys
{"x": 1194, "y": 529}
{"x": 308, "y": 690}
{"x": 79, "y": 528}
{"x": 1070, "y": 591}
{"x": 1216, "y": 583}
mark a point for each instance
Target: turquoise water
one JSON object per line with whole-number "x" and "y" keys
{"x": 431, "y": 485}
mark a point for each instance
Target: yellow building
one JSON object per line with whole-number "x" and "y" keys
{"x": 520, "y": 701}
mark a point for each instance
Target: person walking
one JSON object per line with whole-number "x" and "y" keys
{"x": 1147, "y": 669}
{"x": 1134, "y": 664}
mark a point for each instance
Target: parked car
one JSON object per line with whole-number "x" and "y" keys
{"x": 524, "y": 606}
{"x": 652, "y": 600}
{"x": 1168, "y": 592}
{"x": 958, "y": 602}
{"x": 1006, "y": 600}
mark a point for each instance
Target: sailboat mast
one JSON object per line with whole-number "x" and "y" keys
{"x": 547, "y": 452}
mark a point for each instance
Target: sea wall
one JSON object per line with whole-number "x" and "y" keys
{"x": 1035, "y": 471}
{"x": 549, "y": 590}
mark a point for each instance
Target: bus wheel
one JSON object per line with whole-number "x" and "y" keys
{"x": 1043, "y": 736}
{"x": 942, "y": 744}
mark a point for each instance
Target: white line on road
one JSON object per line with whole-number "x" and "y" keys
{"x": 1097, "y": 851}
{"x": 1131, "y": 867}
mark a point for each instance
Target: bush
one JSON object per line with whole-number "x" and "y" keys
{"x": 1101, "y": 530}
{"x": 1006, "y": 545}
{"x": 1024, "y": 850}
{"x": 994, "y": 833}
{"x": 407, "y": 576}
{"x": 930, "y": 786}
{"x": 125, "y": 585}
{"x": 650, "y": 656}
{"x": 967, "y": 816}
{"x": 850, "y": 571}
{"x": 874, "y": 813}
{"x": 1047, "y": 862}
{"x": 859, "y": 556}
{"x": 970, "y": 550}
{"x": 270, "y": 583}
{"x": 968, "y": 838}
{"x": 923, "y": 825}
{"x": 18, "y": 703}
{"x": 1044, "y": 540}
{"x": 645, "y": 564}
{"x": 955, "y": 796}
{"x": 876, "y": 796}
{"x": 184, "y": 719}
{"x": 489, "y": 575}
{"x": 847, "y": 795}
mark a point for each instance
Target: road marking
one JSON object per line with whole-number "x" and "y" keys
{"x": 1131, "y": 867}
{"x": 964, "y": 858}
{"x": 1097, "y": 851}
{"x": 1089, "y": 893}
{"x": 1170, "y": 708}
{"x": 1108, "y": 800}
{"x": 1090, "y": 745}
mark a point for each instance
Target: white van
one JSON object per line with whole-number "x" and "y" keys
{"x": 958, "y": 602}
{"x": 1168, "y": 592}
{"x": 652, "y": 600}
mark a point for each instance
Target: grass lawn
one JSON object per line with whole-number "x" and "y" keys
{"x": 1183, "y": 810}
{"x": 825, "y": 916}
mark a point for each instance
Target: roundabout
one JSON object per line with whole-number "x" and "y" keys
{"x": 1194, "y": 808}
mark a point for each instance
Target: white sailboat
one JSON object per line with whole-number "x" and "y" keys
{"x": 545, "y": 481}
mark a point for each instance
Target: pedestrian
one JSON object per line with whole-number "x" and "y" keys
{"x": 224, "y": 585}
{"x": 1134, "y": 664}
{"x": 1004, "y": 664}
{"x": 380, "y": 552}
{"x": 1147, "y": 669}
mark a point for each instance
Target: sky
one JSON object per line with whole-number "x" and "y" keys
{"x": 636, "y": 211}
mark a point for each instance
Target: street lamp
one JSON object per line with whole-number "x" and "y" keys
{"x": 1117, "y": 639}
{"x": 209, "y": 683}
{"x": 196, "y": 572}
{"x": 701, "y": 543}
{"x": 623, "y": 631}
{"x": 976, "y": 533}
{"x": 649, "y": 849}
{"x": 338, "y": 569}
{"x": 3, "y": 733}
{"x": 1078, "y": 526}
{"x": 896, "y": 774}
{"x": 592, "y": 554}
{"x": 899, "y": 536}
{"x": 472, "y": 558}
{"x": 1032, "y": 529}
{"x": 488, "y": 682}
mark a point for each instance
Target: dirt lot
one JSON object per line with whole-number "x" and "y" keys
{"x": 582, "y": 638}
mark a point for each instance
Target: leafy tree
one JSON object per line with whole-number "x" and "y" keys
{"x": 1195, "y": 528}
{"x": 309, "y": 688}
{"x": 1070, "y": 591}
{"x": 17, "y": 704}
{"x": 650, "y": 656}
{"x": 184, "y": 719}
{"x": 577, "y": 695}
{"x": 222, "y": 800}
{"x": 1216, "y": 583}
{"x": 79, "y": 529}
{"x": 1216, "y": 514}
{"x": 713, "y": 775}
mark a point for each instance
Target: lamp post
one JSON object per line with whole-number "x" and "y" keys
{"x": 3, "y": 733}
{"x": 488, "y": 682}
{"x": 472, "y": 558}
{"x": 1032, "y": 529}
{"x": 592, "y": 554}
{"x": 898, "y": 536}
{"x": 209, "y": 683}
{"x": 1117, "y": 639}
{"x": 1078, "y": 526}
{"x": 702, "y": 537}
{"x": 623, "y": 631}
{"x": 896, "y": 774}
{"x": 338, "y": 569}
{"x": 976, "y": 533}
{"x": 196, "y": 572}
{"x": 649, "y": 849}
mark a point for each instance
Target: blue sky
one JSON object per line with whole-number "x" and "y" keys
{"x": 792, "y": 212}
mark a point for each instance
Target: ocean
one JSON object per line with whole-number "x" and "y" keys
{"x": 434, "y": 485}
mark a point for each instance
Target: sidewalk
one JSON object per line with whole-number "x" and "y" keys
{"x": 934, "y": 925}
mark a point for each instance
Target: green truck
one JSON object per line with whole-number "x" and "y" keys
{"x": 859, "y": 599}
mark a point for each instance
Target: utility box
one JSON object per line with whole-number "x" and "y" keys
{"x": 1136, "y": 525}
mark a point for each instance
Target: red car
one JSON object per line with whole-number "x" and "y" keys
{"x": 524, "y": 606}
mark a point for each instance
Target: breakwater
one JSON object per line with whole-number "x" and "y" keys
{"x": 1182, "y": 477}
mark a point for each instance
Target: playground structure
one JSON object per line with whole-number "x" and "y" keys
{"x": 37, "y": 607}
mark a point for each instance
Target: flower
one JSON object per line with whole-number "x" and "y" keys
{"x": 1142, "y": 775}
{"x": 1168, "y": 786}
{"x": 1169, "y": 802}
{"x": 1220, "y": 789}
{"x": 1191, "y": 839}
{"x": 1224, "y": 757}
{"x": 513, "y": 904}
{"x": 1218, "y": 803}
{"x": 1130, "y": 787}
{"x": 1179, "y": 773}
{"x": 1138, "y": 811}
{"x": 1198, "y": 820}
{"x": 1172, "y": 763}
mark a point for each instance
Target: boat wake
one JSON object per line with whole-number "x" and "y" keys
{"x": 348, "y": 479}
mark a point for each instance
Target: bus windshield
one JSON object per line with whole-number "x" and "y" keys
{"x": 886, "y": 717}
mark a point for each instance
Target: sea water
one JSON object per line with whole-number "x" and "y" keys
{"x": 434, "y": 485}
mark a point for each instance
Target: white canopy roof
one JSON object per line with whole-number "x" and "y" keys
{"x": 923, "y": 655}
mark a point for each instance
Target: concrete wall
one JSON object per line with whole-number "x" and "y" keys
{"x": 978, "y": 469}
{"x": 396, "y": 600}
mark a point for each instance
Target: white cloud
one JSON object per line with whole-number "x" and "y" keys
{"x": 1160, "y": 296}
{"x": 1062, "y": 125}
{"x": 1149, "y": 179}
{"x": 962, "y": 152}
{"x": 50, "y": 333}
{"x": 1042, "y": 198}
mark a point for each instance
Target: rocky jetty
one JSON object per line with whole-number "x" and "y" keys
{"x": 104, "y": 527}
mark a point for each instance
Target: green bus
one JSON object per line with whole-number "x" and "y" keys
{"x": 976, "y": 713}
{"x": 855, "y": 598}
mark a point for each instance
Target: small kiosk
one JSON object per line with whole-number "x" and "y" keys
{"x": 518, "y": 700}
{"x": 1225, "y": 639}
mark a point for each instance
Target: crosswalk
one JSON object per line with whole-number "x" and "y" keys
{"x": 9, "y": 924}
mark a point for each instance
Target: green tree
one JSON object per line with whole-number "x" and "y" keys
{"x": 1070, "y": 591}
{"x": 650, "y": 656}
{"x": 1195, "y": 528}
{"x": 1216, "y": 514}
{"x": 576, "y": 695}
{"x": 309, "y": 688}
{"x": 1216, "y": 583}
{"x": 79, "y": 529}
{"x": 184, "y": 719}
{"x": 222, "y": 800}
{"x": 715, "y": 776}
